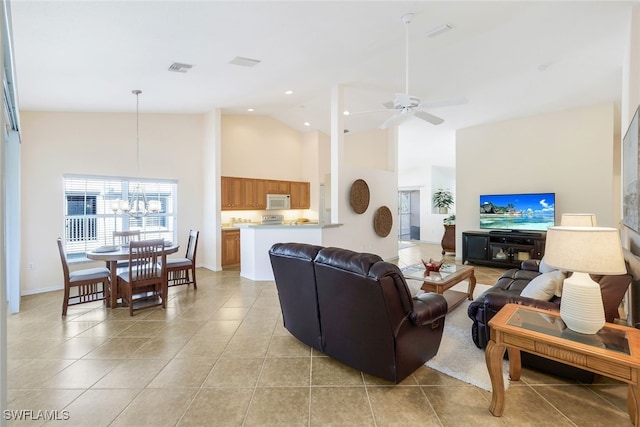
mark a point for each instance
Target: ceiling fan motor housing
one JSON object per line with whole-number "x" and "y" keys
{"x": 404, "y": 100}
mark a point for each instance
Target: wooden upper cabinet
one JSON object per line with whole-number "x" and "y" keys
{"x": 300, "y": 195}
{"x": 232, "y": 190}
{"x": 255, "y": 193}
{"x": 251, "y": 193}
{"x": 278, "y": 187}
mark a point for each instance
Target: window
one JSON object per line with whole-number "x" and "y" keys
{"x": 92, "y": 214}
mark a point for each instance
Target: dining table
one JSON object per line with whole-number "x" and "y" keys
{"x": 111, "y": 255}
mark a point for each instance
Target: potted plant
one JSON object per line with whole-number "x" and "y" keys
{"x": 450, "y": 220}
{"x": 443, "y": 200}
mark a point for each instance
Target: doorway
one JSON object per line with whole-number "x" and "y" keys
{"x": 409, "y": 215}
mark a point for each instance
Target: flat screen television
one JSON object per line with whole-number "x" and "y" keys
{"x": 526, "y": 212}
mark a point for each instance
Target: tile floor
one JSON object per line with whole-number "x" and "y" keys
{"x": 220, "y": 356}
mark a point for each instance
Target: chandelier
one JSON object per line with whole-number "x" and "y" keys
{"x": 137, "y": 206}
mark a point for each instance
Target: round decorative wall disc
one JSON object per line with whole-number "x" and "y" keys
{"x": 359, "y": 196}
{"x": 382, "y": 221}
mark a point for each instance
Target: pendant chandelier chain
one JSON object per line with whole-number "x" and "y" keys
{"x": 137, "y": 93}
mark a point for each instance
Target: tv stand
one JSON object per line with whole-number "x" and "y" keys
{"x": 515, "y": 233}
{"x": 502, "y": 248}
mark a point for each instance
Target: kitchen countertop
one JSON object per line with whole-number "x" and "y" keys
{"x": 299, "y": 225}
{"x": 287, "y": 224}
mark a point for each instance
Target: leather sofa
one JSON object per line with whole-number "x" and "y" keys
{"x": 357, "y": 309}
{"x": 508, "y": 289}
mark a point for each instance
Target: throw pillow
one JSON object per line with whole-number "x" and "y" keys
{"x": 545, "y": 286}
{"x": 544, "y": 268}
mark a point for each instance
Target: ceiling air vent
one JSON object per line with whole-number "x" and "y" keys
{"x": 179, "y": 68}
{"x": 244, "y": 62}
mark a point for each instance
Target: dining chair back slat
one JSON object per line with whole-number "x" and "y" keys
{"x": 125, "y": 237}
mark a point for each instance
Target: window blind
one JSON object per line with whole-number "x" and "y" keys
{"x": 92, "y": 211}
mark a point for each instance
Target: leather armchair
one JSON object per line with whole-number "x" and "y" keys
{"x": 357, "y": 309}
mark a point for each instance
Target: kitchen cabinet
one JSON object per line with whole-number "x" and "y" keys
{"x": 232, "y": 193}
{"x": 300, "y": 195}
{"x": 255, "y": 193}
{"x": 278, "y": 187}
{"x": 251, "y": 193}
{"x": 230, "y": 248}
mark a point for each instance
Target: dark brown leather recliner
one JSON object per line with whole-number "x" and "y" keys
{"x": 293, "y": 268}
{"x": 367, "y": 317}
{"x": 507, "y": 290}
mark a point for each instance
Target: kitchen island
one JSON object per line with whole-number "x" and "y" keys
{"x": 256, "y": 240}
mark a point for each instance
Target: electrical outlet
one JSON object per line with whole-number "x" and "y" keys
{"x": 30, "y": 266}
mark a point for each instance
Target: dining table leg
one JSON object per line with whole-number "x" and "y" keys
{"x": 113, "y": 292}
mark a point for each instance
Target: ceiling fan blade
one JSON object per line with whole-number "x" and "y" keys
{"x": 434, "y": 120}
{"x": 388, "y": 105}
{"x": 355, "y": 113}
{"x": 396, "y": 119}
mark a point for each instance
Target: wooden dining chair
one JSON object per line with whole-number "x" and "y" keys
{"x": 125, "y": 237}
{"x": 146, "y": 277}
{"x": 81, "y": 286}
{"x": 182, "y": 271}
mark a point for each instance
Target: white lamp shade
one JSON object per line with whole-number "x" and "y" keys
{"x": 594, "y": 250}
{"x": 578, "y": 220}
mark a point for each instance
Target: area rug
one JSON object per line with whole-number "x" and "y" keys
{"x": 458, "y": 356}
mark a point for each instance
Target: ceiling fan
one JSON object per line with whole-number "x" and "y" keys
{"x": 405, "y": 105}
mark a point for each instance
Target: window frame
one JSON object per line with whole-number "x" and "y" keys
{"x": 96, "y": 225}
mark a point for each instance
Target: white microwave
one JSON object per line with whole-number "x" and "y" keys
{"x": 278, "y": 201}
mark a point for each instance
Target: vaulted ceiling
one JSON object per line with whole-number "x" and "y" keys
{"x": 507, "y": 59}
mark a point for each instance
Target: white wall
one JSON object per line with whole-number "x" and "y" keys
{"x": 568, "y": 152}
{"x": 370, "y": 156}
{"x": 56, "y": 143}
{"x": 423, "y": 150}
{"x": 261, "y": 147}
{"x": 630, "y": 90}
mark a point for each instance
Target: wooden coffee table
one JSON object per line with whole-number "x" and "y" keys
{"x": 613, "y": 352}
{"x": 441, "y": 282}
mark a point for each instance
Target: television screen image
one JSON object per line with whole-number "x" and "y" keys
{"x": 534, "y": 212}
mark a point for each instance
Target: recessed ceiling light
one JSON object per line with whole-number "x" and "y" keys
{"x": 346, "y": 113}
{"x": 307, "y": 124}
{"x": 435, "y": 32}
{"x": 288, "y": 92}
{"x": 250, "y": 109}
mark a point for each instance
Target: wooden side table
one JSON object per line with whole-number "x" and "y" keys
{"x": 448, "y": 242}
{"x": 613, "y": 352}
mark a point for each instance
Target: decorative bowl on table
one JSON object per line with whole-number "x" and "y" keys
{"x": 432, "y": 265}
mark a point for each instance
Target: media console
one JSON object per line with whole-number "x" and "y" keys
{"x": 502, "y": 248}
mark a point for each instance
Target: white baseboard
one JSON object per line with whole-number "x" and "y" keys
{"x": 41, "y": 290}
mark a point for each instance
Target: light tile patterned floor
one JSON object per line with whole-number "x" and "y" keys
{"x": 219, "y": 356}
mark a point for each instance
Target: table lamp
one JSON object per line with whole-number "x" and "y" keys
{"x": 584, "y": 251}
{"x": 578, "y": 220}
